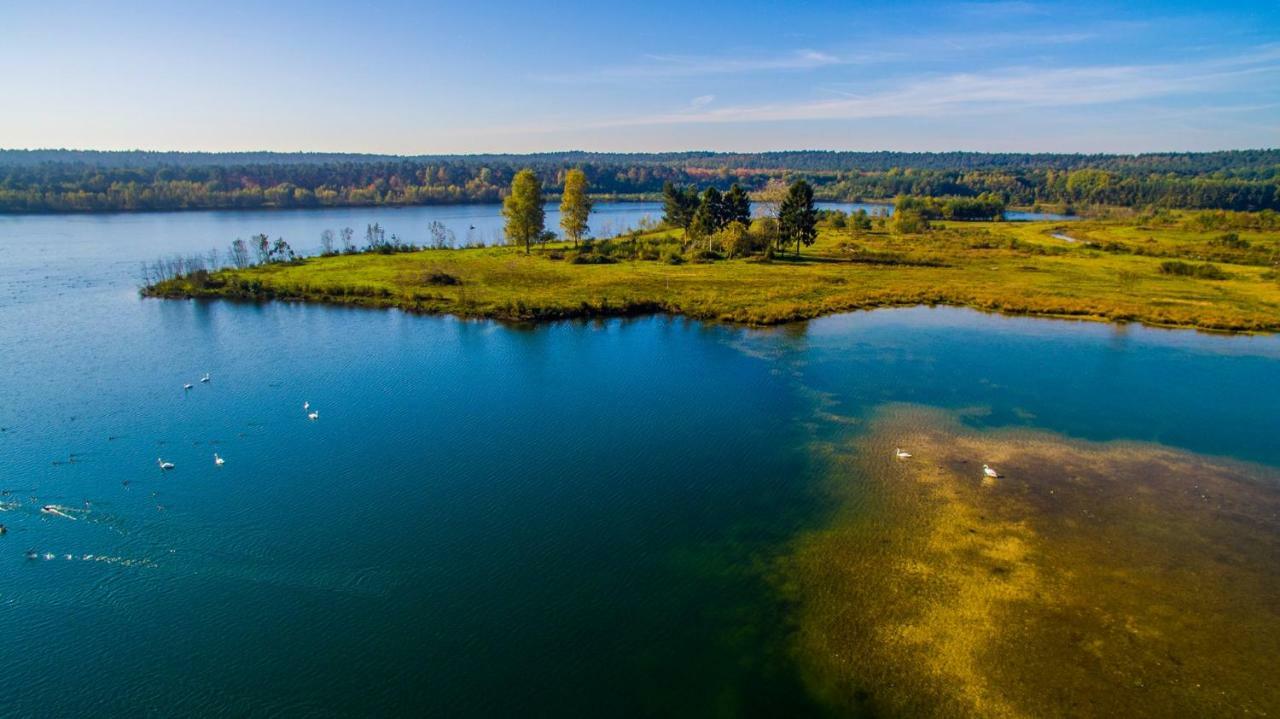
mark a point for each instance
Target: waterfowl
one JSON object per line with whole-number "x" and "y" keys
{"x": 900, "y": 454}
{"x": 218, "y": 460}
{"x": 55, "y": 509}
{"x": 990, "y": 472}
{"x": 205, "y": 378}
{"x": 163, "y": 464}
{"x": 188, "y": 386}
{"x": 306, "y": 406}
{"x": 314, "y": 415}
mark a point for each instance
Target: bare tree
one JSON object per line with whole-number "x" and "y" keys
{"x": 239, "y": 254}
{"x": 348, "y": 243}
{"x": 769, "y": 198}
{"x": 374, "y": 236}
{"x": 326, "y": 242}
{"x": 441, "y": 236}
{"x": 262, "y": 244}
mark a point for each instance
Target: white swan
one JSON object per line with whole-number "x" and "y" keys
{"x": 187, "y": 386}
{"x": 56, "y": 510}
{"x": 205, "y": 378}
{"x": 306, "y": 406}
{"x": 314, "y": 415}
{"x": 900, "y": 454}
{"x": 218, "y": 460}
{"x": 163, "y": 464}
{"x": 990, "y": 472}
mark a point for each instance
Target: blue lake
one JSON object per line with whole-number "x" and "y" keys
{"x": 484, "y": 519}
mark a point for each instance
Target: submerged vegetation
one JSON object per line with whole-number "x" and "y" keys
{"x": 1090, "y": 579}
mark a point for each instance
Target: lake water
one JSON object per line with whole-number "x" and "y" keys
{"x": 485, "y": 519}
{"x": 51, "y": 253}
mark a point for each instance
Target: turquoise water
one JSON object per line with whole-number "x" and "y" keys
{"x": 569, "y": 519}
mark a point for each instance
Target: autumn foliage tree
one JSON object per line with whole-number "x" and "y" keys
{"x": 575, "y": 206}
{"x": 523, "y": 210}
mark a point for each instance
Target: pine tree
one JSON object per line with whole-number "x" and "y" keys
{"x": 737, "y": 206}
{"x": 797, "y": 220}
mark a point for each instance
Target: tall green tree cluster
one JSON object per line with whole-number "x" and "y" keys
{"x": 703, "y": 215}
{"x": 678, "y": 205}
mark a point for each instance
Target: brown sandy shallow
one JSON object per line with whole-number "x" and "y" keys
{"x": 1090, "y": 580}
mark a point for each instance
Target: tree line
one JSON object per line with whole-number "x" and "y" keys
{"x": 73, "y": 181}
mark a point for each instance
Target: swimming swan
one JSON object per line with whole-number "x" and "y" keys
{"x": 990, "y": 472}
{"x": 900, "y": 454}
{"x": 163, "y": 464}
{"x": 218, "y": 460}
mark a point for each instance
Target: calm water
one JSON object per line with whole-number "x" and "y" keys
{"x": 485, "y": 520}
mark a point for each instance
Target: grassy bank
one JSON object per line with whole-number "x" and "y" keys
{"x": 1113, "y": 270}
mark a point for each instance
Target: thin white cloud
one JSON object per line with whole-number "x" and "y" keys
{"x": 702, "y": 100}
{"x": 992, "y": 92}
{"x": 671, "y": 66}
{"x": 938, "y": 47}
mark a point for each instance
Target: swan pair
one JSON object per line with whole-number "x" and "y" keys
{"x": 203, "y": 380}
{"x": 987, "y": 469}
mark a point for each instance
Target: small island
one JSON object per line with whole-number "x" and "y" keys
{"x": 715, "y": 258}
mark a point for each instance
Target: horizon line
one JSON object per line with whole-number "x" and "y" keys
{"x": 634, "y": 153}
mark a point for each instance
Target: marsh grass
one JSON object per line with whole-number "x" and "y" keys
{"x": 1092, "y": 579}
{"x": 1016, "y": 268}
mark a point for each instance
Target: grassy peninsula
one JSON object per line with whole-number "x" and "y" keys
{"x": 1171, "y": 270}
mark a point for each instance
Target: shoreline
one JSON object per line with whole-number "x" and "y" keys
{"x": 643, "y": 309}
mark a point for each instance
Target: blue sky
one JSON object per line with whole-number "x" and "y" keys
{"x": 500, "y": 76}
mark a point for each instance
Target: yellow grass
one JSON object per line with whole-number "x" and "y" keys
{"x": 1006, "y": 267}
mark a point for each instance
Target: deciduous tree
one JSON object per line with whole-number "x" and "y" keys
{"x": 523, "y": 209}
{"x": 575, "y": 206}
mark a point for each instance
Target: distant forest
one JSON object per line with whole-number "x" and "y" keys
{"x": 91, "y": 181}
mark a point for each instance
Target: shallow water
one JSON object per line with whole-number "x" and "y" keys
{"x": 579, "y": 518}
{"x": 1087, "y": 579}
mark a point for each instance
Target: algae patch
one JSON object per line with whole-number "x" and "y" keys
{"x": 1090, "y": 580}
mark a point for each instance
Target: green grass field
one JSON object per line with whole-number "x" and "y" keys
{"x": 1112, "y": 271}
